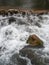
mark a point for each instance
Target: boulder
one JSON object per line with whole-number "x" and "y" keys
{"x": 35, "y": 55}
{"x": 11, "y": 20}
{"x": 35, "y": 41}
{"x": 2, "y": 12}
{"x": 16, "y": 11}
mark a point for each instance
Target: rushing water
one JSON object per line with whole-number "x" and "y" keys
{"x": 13, "y": 36}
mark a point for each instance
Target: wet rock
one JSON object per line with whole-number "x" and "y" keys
{"x": 0, "y": 47}
{"x": 35, "y": 41}
{"x": 6, "y": 13}
{"x": 37, "y": 24}
{"x": 16, "y": 60}
{"x": 40, "y": 17}
{"x": 11, "y": 19}
{"x": 12, "y": 11}
{"x": 21, "y": 61}
{"x": 16, "y": 12}
{"x": 32, "y": 54}
{"x": 41, "y": 13}
{"x": 47, "y": 60}
{"x": 2, "y": 12}
{"x": 23, "y": 14}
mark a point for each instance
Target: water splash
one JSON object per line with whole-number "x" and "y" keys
{"x": 13, "y": 36}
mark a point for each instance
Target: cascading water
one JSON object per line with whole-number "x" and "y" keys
{"x": 13, "y": 36}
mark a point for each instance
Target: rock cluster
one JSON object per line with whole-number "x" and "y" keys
{"x": 23, "y": 12}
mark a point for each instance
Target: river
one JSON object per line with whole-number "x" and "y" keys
{"x": 13, "y": 38}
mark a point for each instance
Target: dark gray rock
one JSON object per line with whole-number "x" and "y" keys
{"x": 34, "y": 54}
{"x": 16, "y": 60}
{"x": 11, "y": 19}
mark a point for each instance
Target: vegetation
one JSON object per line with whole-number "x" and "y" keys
{"x": 40, "y": 4}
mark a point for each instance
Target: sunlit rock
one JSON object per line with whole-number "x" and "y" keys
{"x": 35, "y": 41}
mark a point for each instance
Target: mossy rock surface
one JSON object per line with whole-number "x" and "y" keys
{"x": 35, "y": 41}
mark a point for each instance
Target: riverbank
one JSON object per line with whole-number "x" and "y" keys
{"x": 36, "y": 11}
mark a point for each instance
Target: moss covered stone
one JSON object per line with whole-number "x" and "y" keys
{"x": 35, "y": 41}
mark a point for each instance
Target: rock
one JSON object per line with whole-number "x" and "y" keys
{"x": 33, "y": 54}
{"x": 6, "y": 13}
{"x": 16, "y": 11}
{"x": 16, "y": 60}
{"x": 11, "y": 19}
{"x": 37, "y": 24}
{"x": 12, "y": 11}
{"x": 2, "y": 12}
{"x": 35, "y": 41}
{"x": 41, "y": 13}
{"x": 23, "y": 13}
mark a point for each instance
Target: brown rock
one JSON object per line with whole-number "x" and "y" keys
{"x": 13, "y": 11}
{"x": 2, "y": 12}
{"x": 35, "y": 41}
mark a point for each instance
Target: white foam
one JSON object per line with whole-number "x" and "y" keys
{"x": 13, "y": 37}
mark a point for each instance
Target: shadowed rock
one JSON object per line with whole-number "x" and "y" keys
{"x": 2, "y": 12}
{"x": 11, "y": 19}
{"x": 37, "y": 24}
{"x": 16, "y": 60}
{"x": 16, "y": 11}
{"x": 23, "y": 14}
{"x": 12, "y": 11}
{"x": 33, "y": 54}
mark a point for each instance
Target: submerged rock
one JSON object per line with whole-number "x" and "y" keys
{"x": 37, "y": 24}
{"x": 35, "y": 41}
{"x": 16, "y": 60}
{"x": 35, "y": 55}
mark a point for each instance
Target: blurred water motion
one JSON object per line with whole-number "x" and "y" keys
{"x": 30, "y": 4}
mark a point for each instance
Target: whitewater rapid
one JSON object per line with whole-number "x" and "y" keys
{"x": 13, "y": 36}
